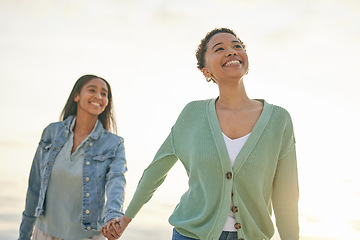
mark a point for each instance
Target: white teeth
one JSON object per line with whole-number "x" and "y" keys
{"x": 96, "y": 104}
{"x": 232, "y": 62}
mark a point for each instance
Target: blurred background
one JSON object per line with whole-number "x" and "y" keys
{"x": 304, "y": 56}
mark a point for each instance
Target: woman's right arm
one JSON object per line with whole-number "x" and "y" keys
{"x": 153, "y": 176}
{"x": 32, "y": 197}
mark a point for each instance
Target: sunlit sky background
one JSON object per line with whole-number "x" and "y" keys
{"x": 304, "y": 56}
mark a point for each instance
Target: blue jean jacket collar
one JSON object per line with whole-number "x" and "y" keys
{"x": 95, "y": 134}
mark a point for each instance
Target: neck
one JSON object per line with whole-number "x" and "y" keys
{"x": 84, "y": 124}
{"x": 233, "y": 95}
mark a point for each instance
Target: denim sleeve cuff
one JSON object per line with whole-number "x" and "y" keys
{"x": 26, "y": 227}
{"x": 112, "y": 216}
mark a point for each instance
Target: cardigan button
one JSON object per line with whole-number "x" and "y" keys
{"x": 234, "y": 209}
{"x": 87, "y": 211}
{"x": 237, "y": 226}
{"x": 229, "y": 175}
{"x": 87, "y": 163}
{"x": 88, "y": 228}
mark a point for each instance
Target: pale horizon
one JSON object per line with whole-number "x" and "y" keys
{"x": 303, "y": 56}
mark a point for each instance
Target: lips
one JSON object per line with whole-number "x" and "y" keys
{"x": 232, "y": 62}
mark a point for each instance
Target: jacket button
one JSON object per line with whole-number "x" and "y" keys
{"x": 87, "y": 179}
{"x": 229, "y": 175}
{"x": 234, "y": 209}
{"x": 87, "y": 194}
{"x": 237, "y": 226}
{"x": 87, "y": 163}
{"x": 88, "y": 228}
{"x": 88, "y": 212}
{"x": 91, "y": 144}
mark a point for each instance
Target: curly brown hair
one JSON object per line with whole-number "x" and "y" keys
{"x": 200, "y": 52}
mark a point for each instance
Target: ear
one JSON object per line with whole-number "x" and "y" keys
{"x": 76, "y": 98}
{"x": 205, "y": 72}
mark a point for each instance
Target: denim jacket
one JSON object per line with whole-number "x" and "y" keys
{"x": 104, "y": 167}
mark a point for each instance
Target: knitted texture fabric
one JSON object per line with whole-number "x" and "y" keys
{"x": 263, "y": 178}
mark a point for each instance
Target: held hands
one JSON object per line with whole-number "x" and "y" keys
{"x": 114, "y": 228}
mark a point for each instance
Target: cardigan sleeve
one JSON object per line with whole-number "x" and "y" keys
{"x": 153, "y": 176}
{"x": 285, "y": 193}
{"x": 285, "y": 197}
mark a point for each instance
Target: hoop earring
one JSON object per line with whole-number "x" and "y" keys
{"x": 208, "y": 79}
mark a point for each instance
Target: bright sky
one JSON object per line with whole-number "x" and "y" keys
{"x": 303, "y": 56}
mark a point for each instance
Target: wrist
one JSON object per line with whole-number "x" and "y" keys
{"x": 126, "y": 219}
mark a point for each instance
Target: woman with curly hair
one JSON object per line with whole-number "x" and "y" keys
{"x": 239, "y": 155}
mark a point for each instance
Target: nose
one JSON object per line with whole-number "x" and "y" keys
{"x": 98, "y": 95}
{"x": 230, "y": 52}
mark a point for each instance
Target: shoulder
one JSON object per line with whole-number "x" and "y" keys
{"x": 280, "y": 119}
{"x": 194, "y": 109}
{"x": 279, "y": 112}
{"x": 110, "y": 143}
{"x": 197, "y": 103}
{"x": 53, "y": 129}
{"x": 195, "y": 106}
{"x": 55, "y": 125}
{"x": 111, "y": 137}
{"x": 106, "y": 142}
{"x": 60, "y": 125}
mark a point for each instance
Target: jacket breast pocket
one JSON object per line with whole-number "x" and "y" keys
{"x": 102, "y": 163}
{"x": 104, "y": 156}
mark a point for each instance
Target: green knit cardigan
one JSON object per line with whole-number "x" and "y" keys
{"x": 264, "y": 176}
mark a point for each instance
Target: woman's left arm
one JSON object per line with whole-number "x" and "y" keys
{"x": 285, "y": 195}
{"x": 115, "y": 184}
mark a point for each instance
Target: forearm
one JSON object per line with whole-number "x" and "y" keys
{"x": 115, "y": 185}
{"x": 286, "y": 196}
{"x": 26, "y": 227}
{"x": 32, "y": 198}
{"x": 151, "y": 179}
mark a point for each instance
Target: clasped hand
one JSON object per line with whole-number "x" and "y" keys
{"x": 114, "y": 228}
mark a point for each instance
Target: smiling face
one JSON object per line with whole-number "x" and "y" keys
{"x": 93, "y": 98}
{"x": 225, "y": 58}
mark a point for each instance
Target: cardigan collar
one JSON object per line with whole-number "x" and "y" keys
{"x": 251, "y": 141}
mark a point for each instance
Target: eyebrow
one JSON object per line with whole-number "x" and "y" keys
{"x": 104, "y": 89}
{"x": 235, "y": 41}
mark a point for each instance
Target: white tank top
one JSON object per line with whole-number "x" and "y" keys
{"x": 233, "y": 147}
